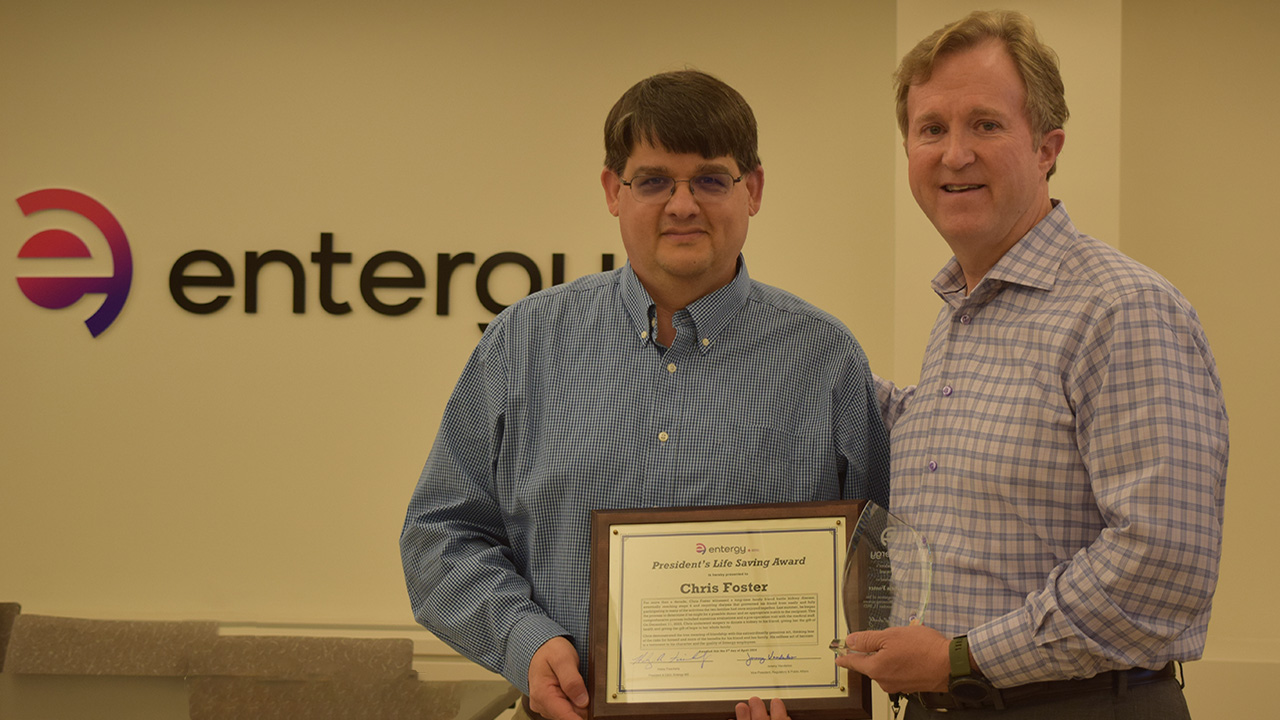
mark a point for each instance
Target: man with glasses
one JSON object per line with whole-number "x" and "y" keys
{"x": 676, "y": 380}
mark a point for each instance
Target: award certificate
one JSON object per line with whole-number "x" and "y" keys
{"x": 696, "y": 609}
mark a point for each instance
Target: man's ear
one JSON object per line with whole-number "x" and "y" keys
{"x": 1049, "y": 149}
{"x": 755, "y": 189}
{"x": 612, "y": 186}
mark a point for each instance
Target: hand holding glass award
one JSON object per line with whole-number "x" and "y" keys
{"x": 888, "y": 573}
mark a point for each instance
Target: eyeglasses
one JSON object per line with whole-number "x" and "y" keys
{"x": 655, "y": 189}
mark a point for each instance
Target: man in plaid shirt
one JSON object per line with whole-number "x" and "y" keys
{"x": 1065, "y": 451}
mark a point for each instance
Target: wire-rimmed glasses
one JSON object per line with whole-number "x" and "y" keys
{"x": 655, "y": 189}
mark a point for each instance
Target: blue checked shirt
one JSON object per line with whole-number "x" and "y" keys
{"x": 1065, "y": 454}
{"x": 568, "y": 405}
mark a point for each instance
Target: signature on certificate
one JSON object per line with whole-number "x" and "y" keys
{"x": 650, "y": 659}
{"x": 769, "y": 658}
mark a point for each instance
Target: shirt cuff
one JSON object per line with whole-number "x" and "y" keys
{"x": 1035, "y": 643}
{"x": 529, "y": 634}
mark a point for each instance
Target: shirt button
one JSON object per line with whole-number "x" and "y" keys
{"x": 671, "y": 367}
{"x": 644, "y": 335}
{"x": 706, "y": 342}
{"x": 932, "y": 466}
{"x": 965, "y": 319}
{"x": 663, "y": 436}
{"x": 946, "y": 391}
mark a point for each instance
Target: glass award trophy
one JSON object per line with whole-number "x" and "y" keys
{"x": 887, "y": 574}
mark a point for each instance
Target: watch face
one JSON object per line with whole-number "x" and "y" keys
{"x": 970, "y": 689}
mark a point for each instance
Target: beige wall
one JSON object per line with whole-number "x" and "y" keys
{"x": 254, "y": 468}
{"x": 1199, "y": 78}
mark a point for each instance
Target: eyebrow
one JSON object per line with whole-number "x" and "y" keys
{"x": 925, "y": 119}
{"x": 976, "y": 112}
{"x": 664, "y": 171}
{"x": 983, "y": 111}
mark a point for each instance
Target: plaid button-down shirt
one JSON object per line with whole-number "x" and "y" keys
{"x": 1065, "y": 454}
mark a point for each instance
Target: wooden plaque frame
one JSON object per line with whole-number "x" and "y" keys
{"x": 854, "y": 703}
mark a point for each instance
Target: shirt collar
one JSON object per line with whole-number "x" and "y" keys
{"x": 1033, "y": 261}
{"x": 710, "y": 314}
{"x": 638, "y": 304}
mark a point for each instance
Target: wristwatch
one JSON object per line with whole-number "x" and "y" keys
{"x": 967, "y": 685}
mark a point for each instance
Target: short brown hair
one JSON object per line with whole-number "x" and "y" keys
{"x": 685, "y": 111}
{"x": 1037, "y": 63}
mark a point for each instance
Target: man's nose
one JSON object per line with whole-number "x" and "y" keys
{"x": 958, "y": 151}
{"x": 682, "y": 201}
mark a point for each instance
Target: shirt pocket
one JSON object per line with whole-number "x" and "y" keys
{"x": 751, "y": 464}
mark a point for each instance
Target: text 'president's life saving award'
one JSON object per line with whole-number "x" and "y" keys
{"x": 696, "y": 609}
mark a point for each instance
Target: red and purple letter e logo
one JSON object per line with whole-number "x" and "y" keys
{"x": 60, "y": 292}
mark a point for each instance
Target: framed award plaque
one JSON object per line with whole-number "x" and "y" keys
{"x": 696, "y": 609}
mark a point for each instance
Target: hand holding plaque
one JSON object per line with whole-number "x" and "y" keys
{"x": 888, "y": 573}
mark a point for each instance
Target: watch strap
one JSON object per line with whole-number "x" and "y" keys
{"x": 960, "y": 657}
